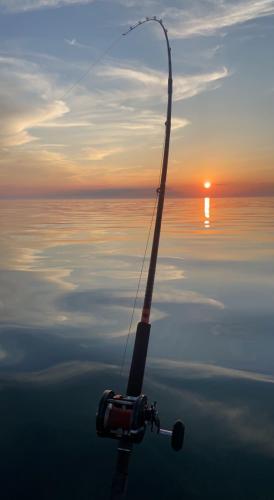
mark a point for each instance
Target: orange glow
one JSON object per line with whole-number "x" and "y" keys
{"x": 207, "y": 184}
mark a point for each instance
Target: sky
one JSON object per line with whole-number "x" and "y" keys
{"x": 83, "y": 108}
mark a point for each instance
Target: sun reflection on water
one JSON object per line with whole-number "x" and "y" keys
{"x": 207, "y": 212}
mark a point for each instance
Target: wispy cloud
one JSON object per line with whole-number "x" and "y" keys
{"x": 169, "y": 295}
{"x": 154, "y": 82}
{"x": 186, "y": 297}
{"x": 71, "y": 42}
{"x": 29, "y": 93}
{"x": 60, "y": 373}
{"x": 208, "y": 18}
{"x": 21, "y": 168}
{"x": 74, "y": 43}
{"x": 98, "y": 154}
{"x": 244, "y": 424}
{"x": 116, "y": 109}
{"x": 202, "y": 18}
{"x": 25, "y": 101}
{"x": 190, "y": 369}
{"x": 3, "y": 354}
{"x": 26, "y": 5}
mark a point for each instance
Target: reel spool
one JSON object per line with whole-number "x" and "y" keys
{"x": 126, "y": 416}
{"x": 120, "y": 416}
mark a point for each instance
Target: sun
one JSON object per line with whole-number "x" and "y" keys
{"x": 207, "y": 184}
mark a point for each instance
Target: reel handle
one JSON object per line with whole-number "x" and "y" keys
{"x": 177, "y": 435}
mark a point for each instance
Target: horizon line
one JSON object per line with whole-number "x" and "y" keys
{"x": 140, "y": 197}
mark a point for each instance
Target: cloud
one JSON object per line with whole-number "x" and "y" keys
{"x": 193, "y": 85}
{"x": 25, "y": 101}
{"x": 208, "y": 18}
{"x": 244, "y": 424}
{"x": 74, "y": 43}
{"x": 116, "y": 109}
{"x": 169, "y": 295}
{"x": 63, "y": 124}
{"x": 71, "y": 42}
{"x": 202, "y": 18}
{"x": 185, "y": 297}
{"x": 59, "y": 373}
{"x": 26, "y": 5}
{"x": 21, "y": 305}
{"x": 154, "y": 82}
{"x": 112, "y": 272}
{"x": 35, "y": 171}
{"x": 98, "y": 154}
{"x": 3, "y": 353}
{"x": 133, "y": 3}
{"x": 193, "y": 370}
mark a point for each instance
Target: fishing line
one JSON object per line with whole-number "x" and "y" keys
{"x": 141, "y": 271}
{"x": 66, "y": 93}
{"x": 138, "y": 287}
{"x": 63, "y": 96}
{"x": 88, "y": 70}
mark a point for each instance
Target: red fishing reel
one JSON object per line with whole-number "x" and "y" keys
{"x": 126, "y": 416}
{"x": 120, "y": 416}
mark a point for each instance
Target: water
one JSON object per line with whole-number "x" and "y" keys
{"x": 69, "y": 272}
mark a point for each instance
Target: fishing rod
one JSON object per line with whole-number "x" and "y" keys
{"x": 125, "y": 417}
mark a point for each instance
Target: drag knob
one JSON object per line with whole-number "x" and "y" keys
{"x": 177, "y": 436}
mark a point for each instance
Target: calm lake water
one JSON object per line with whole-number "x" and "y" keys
{"x": 69, "y": 273}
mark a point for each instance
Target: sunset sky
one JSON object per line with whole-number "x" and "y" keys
{"x": 106, "y": 133}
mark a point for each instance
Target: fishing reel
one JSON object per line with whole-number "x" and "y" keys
{"x": 126, "y": 416}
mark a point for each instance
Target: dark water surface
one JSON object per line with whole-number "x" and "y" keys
{"x": 69, "y": 272}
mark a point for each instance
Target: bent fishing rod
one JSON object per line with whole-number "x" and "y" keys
{"x": 125, "y": 417}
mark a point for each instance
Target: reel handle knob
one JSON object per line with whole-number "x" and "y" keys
{"x": 177, "y": 435}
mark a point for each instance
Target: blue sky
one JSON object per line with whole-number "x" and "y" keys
{"x": 108, "y": 130}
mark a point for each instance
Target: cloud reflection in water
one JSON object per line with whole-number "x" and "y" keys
{"x": 69, "y": 272}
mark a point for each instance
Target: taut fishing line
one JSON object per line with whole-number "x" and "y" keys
{"x": 88, "y": 70}
{"x": 66, "y": 93}
{"x": 141, "y": 271}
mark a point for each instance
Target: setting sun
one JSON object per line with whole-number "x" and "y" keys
{"x": 207, "y": 185}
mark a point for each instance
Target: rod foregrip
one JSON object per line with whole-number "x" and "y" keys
{"x": 119, "y": 481}
{"x": 138, "y": 363}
